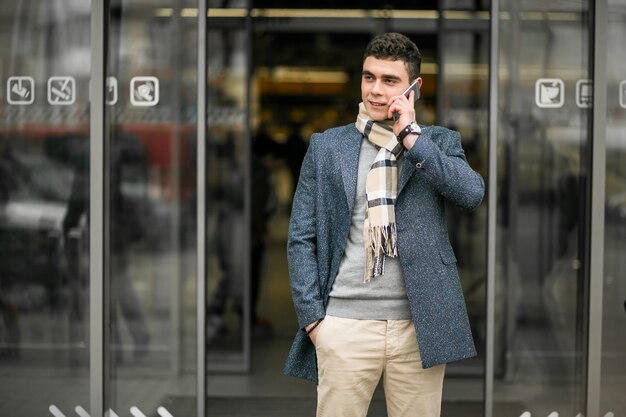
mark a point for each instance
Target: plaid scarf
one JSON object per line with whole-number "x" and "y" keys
{"x": 381, "y": 188}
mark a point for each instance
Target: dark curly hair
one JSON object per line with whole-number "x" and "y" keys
{"x": 395, "y": 46}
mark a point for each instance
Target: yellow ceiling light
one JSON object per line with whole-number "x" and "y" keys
{"x": 164, "y": 12}
{"x": 189, "y": 12}
{"x": 235, "y": 12}
{"x": 307, "y": 75}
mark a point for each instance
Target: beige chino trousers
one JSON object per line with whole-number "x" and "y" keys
{"x": 353, "y": 355}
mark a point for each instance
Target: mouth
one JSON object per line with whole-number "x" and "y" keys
{"x": 377, "y": 105}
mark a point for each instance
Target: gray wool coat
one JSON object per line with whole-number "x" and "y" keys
{"x": 434, "y": 169}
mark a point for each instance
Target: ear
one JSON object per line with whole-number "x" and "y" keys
{"x": 419, "y": 82}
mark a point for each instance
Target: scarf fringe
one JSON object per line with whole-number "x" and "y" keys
{"x": 382, "y": 241}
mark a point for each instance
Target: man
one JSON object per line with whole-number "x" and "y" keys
{"x": 373, "y": 275}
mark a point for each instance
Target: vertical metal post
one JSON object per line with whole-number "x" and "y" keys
{"x": 98, "y": 193}
{"x": 492, "y": 188}
{"x": 175, "y": 265}
{"x": 247, "y": 325}
{"x": 596, "y": 204}
{"x": 201, "y": 207}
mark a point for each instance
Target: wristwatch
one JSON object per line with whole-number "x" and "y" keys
{"x": 410, "y": 128}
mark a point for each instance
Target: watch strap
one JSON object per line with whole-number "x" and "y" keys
{"x": 410, "y": 128}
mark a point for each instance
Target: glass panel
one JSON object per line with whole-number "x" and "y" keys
{"x": 544, "y": 112}
{"x": 44, "y": 151}
{"x": 152, "y": 110}
{"x": 464, "y": 101}
{"x": 228, "y": 307}
{"x": 613, "y": 334}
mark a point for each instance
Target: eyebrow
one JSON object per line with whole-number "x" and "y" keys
{"x": 387, "y": 76}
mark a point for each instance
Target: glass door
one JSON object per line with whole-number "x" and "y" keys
{"x": 151, "y": 115}
{"x": 542, "y": 173}
{"x": 228, "y": 191}
{"x": 44, "y": 154}
{"x": 148, "y": 194}
{"x": 613, "y": 352}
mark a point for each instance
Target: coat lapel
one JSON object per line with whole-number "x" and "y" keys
{"x": 350, "y": 147}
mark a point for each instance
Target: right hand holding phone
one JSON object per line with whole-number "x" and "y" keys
{"x": 404, "y": 107}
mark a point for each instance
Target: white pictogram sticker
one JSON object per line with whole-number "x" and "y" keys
{"x": 584, "y": 93}
{"x": 61, "y": 91}
{"x": 144, "y": 91}
{"x": 549, "y": 92}
{"x": 111, "y": 90}
{"x": 20, "y": 90}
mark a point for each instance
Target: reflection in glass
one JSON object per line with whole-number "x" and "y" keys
{"x": 151, "y": 185}
{"x": 44, "y": 149}
{"x": 228, "y": 306}
{"x": 539, "y": 281}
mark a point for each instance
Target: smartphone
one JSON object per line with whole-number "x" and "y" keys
{"x": 415, "y": 87}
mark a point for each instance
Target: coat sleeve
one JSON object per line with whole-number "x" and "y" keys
{"x": 302, "y": 243}
{"x": 440, "y": 157}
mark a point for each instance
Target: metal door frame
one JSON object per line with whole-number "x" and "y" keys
{"x": 201, "y": 250}
{"x": 596, "y": 203}
{"x": 98, "y": 214}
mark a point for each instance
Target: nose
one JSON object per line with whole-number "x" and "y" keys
{"x": 377, "y": 88}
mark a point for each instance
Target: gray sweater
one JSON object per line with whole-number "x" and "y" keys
{"x": 384, "y": 297}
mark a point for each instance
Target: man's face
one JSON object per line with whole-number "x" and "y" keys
{"x": 381, "y": 80}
